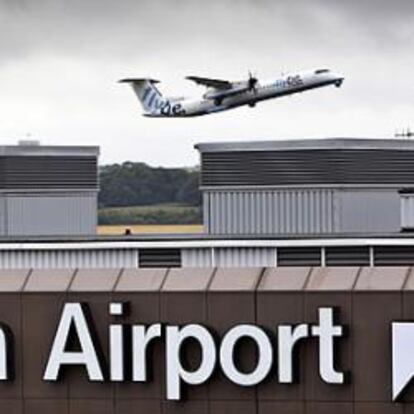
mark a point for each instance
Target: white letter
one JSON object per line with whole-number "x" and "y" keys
{"x": 288, "y": 336}
{"x": 265, "y": 357}
{"x": 175, "y": 371}
{"x": 326, "y": 332}
{"x": 116, "y": 344}
{"x": 141, "y": 337}
{"x": 73, "y": 313}
{"x": 4, "y": 374}
{"x": 402, "y": 357}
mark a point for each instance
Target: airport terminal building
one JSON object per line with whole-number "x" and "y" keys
{"x": 297, "y": 298}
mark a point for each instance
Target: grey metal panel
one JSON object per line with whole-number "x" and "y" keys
{"x": 347, "y": 256}
{"x": 245, "y": 257}
{"x": 67, "y": 259}
{"x": 299, "y": 256}
{"x": 369, "y": 211}
{"x": 47, "y": 172}
{"x": 393, "y": 255}
{"x": 307, "y": 166}
{"x": 298, "y": 211}
{"x": 206, "y": 212}
{"x": 196, "y": 257}
{"x": 2, "y": 216}
{"x": 70, "y": 214}
{"x": 407, "y": 211}
{"x": 159, "y": 258}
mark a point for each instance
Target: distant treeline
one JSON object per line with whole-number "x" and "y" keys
{"x": 137, "y": 184}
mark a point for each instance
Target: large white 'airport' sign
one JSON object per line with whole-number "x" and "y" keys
{"x": 278, "y": 360}
{"x": 73, "y": 317}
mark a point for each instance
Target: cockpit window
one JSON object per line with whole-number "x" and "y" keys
{"x": 319, "y": 71}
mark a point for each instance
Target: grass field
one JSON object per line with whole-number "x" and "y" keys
{"x": 150, "y": 229}
{"x": 161, "y": 214}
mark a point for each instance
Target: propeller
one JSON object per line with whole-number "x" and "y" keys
{"x": 251, "y": 82}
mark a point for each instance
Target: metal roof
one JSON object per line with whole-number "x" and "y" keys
{"x": 308, "y": 144}
{"x": 48, "y": 150}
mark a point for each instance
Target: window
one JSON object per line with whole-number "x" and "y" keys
{"x": 320, "y": 71}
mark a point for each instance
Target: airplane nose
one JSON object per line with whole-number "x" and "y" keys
{"x": 339, "y": 79}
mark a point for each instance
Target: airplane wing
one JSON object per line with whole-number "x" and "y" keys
{"x": 211, "y": 83}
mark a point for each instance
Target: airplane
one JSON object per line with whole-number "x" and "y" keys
{"x": 222, "y": 95}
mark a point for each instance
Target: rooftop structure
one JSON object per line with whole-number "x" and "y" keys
{"x": 315, "y": 186}
{"x": 48, "y": 190}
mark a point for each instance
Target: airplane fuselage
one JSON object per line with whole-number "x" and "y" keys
{"x": 213, "y": 102}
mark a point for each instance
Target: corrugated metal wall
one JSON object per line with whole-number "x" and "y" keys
{"x": 245, "y": 257}
{"x": 307, "y": 166}
{"x": 68, "y": 259}
{"x": 43, "y": 214}
{"x": 229, "y": 257}
{"x": 270, "y": 212}
{"x": 47, "y": 172}
{"x": 197, "y": 257}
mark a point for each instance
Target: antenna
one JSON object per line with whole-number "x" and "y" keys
{"x": 405, "y": 133}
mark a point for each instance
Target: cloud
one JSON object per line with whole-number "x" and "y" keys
{"x": 61, "y": 58}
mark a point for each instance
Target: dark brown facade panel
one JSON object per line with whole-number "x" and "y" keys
{"x": 284, "y": 279}
{"x": 42, "y": 406}
{"x": 49, "y": 280}
{"x": 190, "y": 407}
{"x": 330, "y": 408}
{"x": 11, "y": 316}
{"x": 138, "y": 406}
{"x": 382, "y": 278}
{"x": 95, "y": 280}
{"x": 97, "y": 308}
{"x": 11, "y": 406}
{"x": 144, "y": 308}
{"x": 236, "y": 279}
{"x": 91, "y": 406}
{"x": 178, "y": 308}
{"x": 332, "y": 278}
{"x": 315, "y": 388}
{"x": 288, "y": 407}
{"x": 274, "y": 309}
{"x": 372, "y": 315}
{"x": 225, "y": 310}
{"x": 13, "y": 280}
{"x": 218, "y": 300}
{"x": 39, "y": 319}
{"x": 139, "y": 280}
{"x": 379, "y": 408}
{"x": 188, "y": 279}
{"x": 233, "y": 407}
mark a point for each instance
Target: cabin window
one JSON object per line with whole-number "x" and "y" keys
{"x": 319, "y": 71}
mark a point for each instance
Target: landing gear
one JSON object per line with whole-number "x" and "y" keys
{"x": 252, "y": 104}
{"x": 338, "y": 84}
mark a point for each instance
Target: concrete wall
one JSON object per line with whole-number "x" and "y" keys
{"x": 368, "y": 300}
{"x": 33, "y": 214}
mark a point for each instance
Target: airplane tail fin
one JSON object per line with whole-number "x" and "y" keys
{"x": 150, "y": 97}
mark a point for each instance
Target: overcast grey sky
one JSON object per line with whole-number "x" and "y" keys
{"x": 60, "y": 60}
